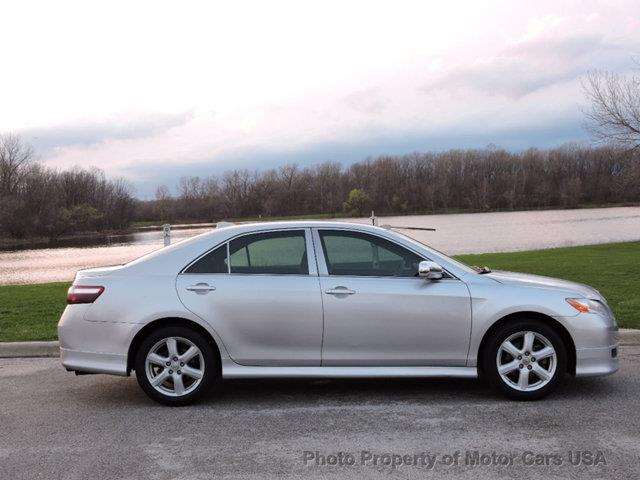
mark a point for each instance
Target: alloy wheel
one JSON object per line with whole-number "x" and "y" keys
{"x": 174, "y": 366}
{"x": 526, "y": 361}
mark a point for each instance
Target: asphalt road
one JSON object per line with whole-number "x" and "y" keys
{"x": 56, "y": 425}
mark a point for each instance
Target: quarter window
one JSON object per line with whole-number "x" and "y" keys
{"x": 213, "y": 262}
{"x": 359, "y": 254}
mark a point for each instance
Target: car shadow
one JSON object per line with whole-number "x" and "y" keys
{"x": 302, "y": 391}
{"x": 450, "y": 390}
{"x": 270, "y": 393}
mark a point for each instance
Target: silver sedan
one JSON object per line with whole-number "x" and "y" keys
{"x": 328, "y": 300}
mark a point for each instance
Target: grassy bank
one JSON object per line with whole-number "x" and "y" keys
{"x": 613, "y": 269}
{"x": 31, "y": 312}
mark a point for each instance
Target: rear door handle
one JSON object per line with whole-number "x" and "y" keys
{"x": 201, "y": 288}
{"x": 340, "y": 291}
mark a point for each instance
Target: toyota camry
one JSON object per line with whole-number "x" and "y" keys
{"x": 328, "y": 300}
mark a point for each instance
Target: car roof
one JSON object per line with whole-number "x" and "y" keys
{"x": 257, "y": 226}
{"x": 237, "y": 229}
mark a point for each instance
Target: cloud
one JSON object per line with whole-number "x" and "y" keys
{"x": 282, "y": 85}
{"x": 530, "y": 65}
{"x": 368, "y": 101}
{"x": 48, "y": 140}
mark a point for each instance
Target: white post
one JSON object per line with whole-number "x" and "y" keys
{"x": 373, "y": 218}
{"x": 166, "y": 229}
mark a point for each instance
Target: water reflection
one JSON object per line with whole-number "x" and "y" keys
{"x": 135, "y": 238}
{"x": 459, "y": 233}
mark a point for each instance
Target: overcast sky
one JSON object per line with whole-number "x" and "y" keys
{"x": 153, "y": 90}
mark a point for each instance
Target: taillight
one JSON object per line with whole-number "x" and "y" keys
{"x": 83, "y": 294}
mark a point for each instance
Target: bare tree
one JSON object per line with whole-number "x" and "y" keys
{"x": 36, "y": 201}
{"x": 614, "y": 114}
{"x": 469, "y": 180}
{"x": 15, "y": 155}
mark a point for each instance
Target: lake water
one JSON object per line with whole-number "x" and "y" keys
{"x": 456, "y": 233}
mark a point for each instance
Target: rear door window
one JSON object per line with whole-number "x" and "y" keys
{"x": 274, "y": 253}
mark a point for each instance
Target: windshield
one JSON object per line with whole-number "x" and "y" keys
{"x": 460, "y": 265}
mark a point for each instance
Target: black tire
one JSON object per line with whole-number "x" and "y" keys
{"x": 490, "y": 361}
{"x": 211, "y": 371}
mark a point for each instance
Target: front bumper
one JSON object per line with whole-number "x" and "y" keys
{"x": 591, "y": 362}
{"x": 596, "y": 340}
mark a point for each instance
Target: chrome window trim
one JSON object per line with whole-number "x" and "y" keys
{"x": 322, "y": 263}
{"x": 309, "y": 246}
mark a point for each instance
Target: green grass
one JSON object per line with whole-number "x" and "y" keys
{"x": 613, "y": 269}
{"x": 31, "y": 312}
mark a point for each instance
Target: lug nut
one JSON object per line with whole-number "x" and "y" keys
{"x": 521, "y": 366}
{"x": 526, "y": 353}
{"x": 175, "y": 359}
{"x": 168, "y": 364}
{"x": 519, "y": 357}
{"x": 182, "y": 364}
{"x": 533, "y": 359}
{"x": 529, "y": 367}
{"x": 171, "y": 371}
{"x": 179, "y": 372}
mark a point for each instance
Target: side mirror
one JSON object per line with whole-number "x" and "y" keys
{"x": 430, "y": 270}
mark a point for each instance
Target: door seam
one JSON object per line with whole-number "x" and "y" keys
{"x": 315, "y": 257}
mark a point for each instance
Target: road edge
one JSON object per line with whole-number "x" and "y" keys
{"x": 29, "y": 349}
{"x": 628, "y": 336}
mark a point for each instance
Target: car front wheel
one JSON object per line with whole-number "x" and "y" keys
{"x": 175, "y": 365}
{"x": 525, "y": 360}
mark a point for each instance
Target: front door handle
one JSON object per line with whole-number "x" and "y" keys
{"x": 340, "y": 291}
{"x": 201, "y": 288}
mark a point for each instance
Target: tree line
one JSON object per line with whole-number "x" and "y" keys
{"x": 457, "y": 180}
{"x": 36, "y": 201}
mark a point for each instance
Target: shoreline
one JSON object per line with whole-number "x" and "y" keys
{"x": 89, "y": 239}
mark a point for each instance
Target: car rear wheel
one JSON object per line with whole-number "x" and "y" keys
{"x": 175, "y": 365}
{"x": 526, "y": 360}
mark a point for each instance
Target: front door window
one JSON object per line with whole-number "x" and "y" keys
{"x": 360, "y": 254}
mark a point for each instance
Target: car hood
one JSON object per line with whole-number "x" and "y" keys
{"x": 525, "y": 279}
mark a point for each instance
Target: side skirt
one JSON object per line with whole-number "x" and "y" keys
{"x": 231, "y": 369}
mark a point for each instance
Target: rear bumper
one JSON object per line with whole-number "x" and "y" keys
{"x": 591, "y": 362}
{"x": 93, "y": 362}
{"x": 93, "y": 347}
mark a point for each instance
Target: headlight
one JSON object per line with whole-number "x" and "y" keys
{"x": 586, "y": 305}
